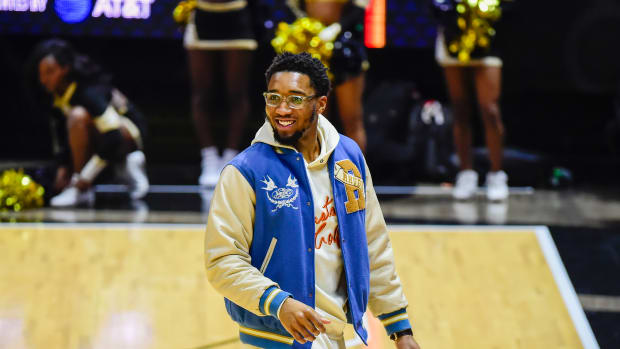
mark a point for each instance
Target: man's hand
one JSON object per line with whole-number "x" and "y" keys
{"x": 301, "y": 321}
{"x": 406, "y": 342}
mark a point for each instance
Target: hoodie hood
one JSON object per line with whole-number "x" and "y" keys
{"x": 327, "y": 134}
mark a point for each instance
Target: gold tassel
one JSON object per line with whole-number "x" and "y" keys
{"x": 302, "y": 36}
{"x": 183, "y": 10}
{"x": 474, "y": 19}
{"x": 18, "y": 191}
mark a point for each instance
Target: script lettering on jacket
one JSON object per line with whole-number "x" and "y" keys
{"x": 321, "y": 221}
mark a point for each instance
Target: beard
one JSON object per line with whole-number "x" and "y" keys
{"x": 292, "y": 139}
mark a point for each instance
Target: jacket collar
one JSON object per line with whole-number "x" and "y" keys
{"x": 328, "y": 139}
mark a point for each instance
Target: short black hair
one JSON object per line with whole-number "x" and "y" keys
{"x": 302, "y": 63}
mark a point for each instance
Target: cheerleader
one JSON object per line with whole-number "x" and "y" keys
{"x": 219, "y": 37}
{"x": 99, "y": 124}
{"x": 478, "y": 77}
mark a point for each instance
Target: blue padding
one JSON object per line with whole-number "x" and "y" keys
{"x": 397, "y": 326}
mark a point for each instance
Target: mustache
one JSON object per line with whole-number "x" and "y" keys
{"x": 312, "y": 116}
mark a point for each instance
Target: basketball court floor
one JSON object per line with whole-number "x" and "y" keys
{"x": 131, "y": 275}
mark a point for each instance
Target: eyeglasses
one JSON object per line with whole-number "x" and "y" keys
{"x": 273, "y": 99}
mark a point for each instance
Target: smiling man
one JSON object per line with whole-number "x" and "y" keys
{"x": 295, "y": 239}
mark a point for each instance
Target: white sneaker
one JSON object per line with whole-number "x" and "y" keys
{"x": 72, "y": 196}
{"x": 137, "y": 180}
{"x": 466, "y": 185}
{"x": 497, "y": 186}
{"x": 211, "y": 167}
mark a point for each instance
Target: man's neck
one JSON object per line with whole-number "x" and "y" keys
{"x": 309, "y": 145}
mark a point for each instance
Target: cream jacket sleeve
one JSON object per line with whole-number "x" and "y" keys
{"x": 228, "y": 239}
{"x": 386, "y": 293}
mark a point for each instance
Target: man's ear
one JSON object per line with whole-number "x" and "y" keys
{"x": 322, "y": 103}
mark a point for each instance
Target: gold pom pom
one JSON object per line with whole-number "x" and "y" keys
{"x": 302, "y": 36}
{"x": 18, "y": 191}
{"x": 183, "y": 10}
{"x": 475, "y": 19}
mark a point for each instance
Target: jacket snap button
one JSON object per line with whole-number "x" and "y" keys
{"x": 308, "y": 203}
{"x": 309, "y": 249}
{"x": 298, "y": 158}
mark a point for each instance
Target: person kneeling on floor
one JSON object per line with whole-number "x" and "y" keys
{"x": 100, "y": 125}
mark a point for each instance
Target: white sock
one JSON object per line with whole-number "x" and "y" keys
{"x": 93, "y": 167}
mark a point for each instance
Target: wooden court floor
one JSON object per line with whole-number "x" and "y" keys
{"x": 143, "y": 286}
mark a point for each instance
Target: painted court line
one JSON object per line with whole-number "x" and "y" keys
{"x": 593, "y": 302}
{"x": 566, "y": 288}
{"x": 549, "y": 249}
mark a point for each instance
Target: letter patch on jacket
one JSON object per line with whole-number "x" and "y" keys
{"x": 352, "y": 183}
{"x": 284, "y": 196}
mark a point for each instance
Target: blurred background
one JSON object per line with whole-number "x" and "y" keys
{"x": 559, "y": 90}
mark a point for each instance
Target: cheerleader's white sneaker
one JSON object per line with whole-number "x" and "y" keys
{"x": 466, "y": 185}
{"x": 72, "y": 196}
{"x": 211, "y": 166}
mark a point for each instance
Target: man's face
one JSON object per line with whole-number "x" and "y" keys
{"x": 289, "y": 124}
{"x": 52, "y": 74}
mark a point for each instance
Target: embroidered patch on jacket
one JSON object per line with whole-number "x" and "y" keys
{"x": 281, "y": 196}
{"x": 352, "y": 183}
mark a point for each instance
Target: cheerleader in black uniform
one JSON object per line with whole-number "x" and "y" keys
{"x": 345, "y": 23}
{"x": 100, "y": 125}
{"x": 219, "y": 37}
{"x": 479, "y": 77}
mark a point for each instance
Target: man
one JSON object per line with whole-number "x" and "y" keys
{"x": 295, "y": 239}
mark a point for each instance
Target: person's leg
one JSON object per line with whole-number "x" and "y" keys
{"x": 458, "y": 82}
{"x": 133, "y": 169}
{"x": 202, "y": 68}
{"x": 81, "y": 133}
{"x": 202, "y": 65}
{"x": 237, "y": 67}
{"x": 488, "y": 89}
{"x": 84, "y": 137}
{"x": 81, "y": 130}
{"x": 350, "y": 108}
{"x": 458, "y": 91}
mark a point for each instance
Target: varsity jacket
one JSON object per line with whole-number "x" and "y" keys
{"x": 259, "y": 245}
